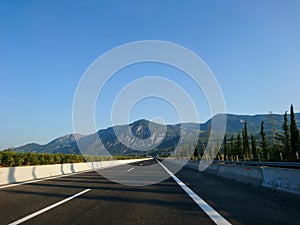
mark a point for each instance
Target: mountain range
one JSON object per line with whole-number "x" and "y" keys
{"x": 163, "y": 139}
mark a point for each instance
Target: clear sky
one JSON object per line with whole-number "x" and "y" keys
{"x": 253, "y": 48}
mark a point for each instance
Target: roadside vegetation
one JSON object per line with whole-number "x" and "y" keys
{"x": 283, "y": 147}
{"x": 9, "y": 158}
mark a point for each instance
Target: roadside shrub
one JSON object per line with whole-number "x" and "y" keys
{"x": 10, "y": 159}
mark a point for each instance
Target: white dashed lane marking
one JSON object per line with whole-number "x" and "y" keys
{"x": 48, "y": 208}
{"x": 130, "y": 169}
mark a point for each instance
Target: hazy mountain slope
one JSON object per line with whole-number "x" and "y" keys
{"x": 90, "y": 143}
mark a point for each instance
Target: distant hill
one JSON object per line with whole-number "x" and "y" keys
{"x": 67, "y": 144}
{"x": 235, "y": 123}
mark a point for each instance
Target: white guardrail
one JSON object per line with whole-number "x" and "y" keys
{"x": 279, "y": 179}
{"x": 25, "y": 173}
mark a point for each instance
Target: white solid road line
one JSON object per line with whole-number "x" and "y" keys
{"x": 48, "y": 208}
{"x": 213, "y": 214}
{"x": 38, "y": 180}
{"x": 130, "y": 169}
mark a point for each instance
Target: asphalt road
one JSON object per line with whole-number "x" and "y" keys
{"x": 89, "y": 198}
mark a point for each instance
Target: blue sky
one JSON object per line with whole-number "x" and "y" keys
{"x": 252, "y": 47}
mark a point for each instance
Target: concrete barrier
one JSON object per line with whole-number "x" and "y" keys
{"x": 213, "y": 169}
{"x": 26, "y": 173}
{"x": 287, "y": 180}
{"x": 245, "y": 174}
{"x": 192, "y": 164}
{"x": 279, "y": 179}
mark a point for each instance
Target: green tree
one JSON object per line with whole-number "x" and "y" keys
{"x": 294, "y": 133}
{"x": 202, "y": 149}
{"x": 232, "y": 146}
{"x": 286, "y": 139}
{"x": 196, "y": 153}
{"x": 8, "y": 159}
{"x": 41, "y": 159}
{"x": 51, "y": 159}
{"x": 239, "y": 146}
{"x": 277, "y": 149}
{"x": 254, "y": 148}
{"x": 264, "y": 144}
{"x": 225, "y": 148}
{"x": 19, "y": 159}
{"x": 57, "y": 158}
{"x": 246, "y": 147}
{"x": 33, "y": 159}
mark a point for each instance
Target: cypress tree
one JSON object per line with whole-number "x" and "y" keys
{"x": 294, "y": 133}
{"x": 253, "y": 147}
{"x": 202, "y": 150}
{"x": 286, "y": 139}
{"x": 225, "y": 147}
{"x": 239, "y": 146}
{"x": 246, "y": 147}
{"x": 196, "y": 153}
{"x": 231, "y": 146}
{"x": 263, "y": 141}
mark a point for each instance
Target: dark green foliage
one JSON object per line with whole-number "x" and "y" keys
{"x": 239, "y": 147}
{"x": 61, "y": 149}
{"x": 231, "y": 147}
{"x": 196, "y": 153}
{"x": 277, "y": 149}
{"x": 254, "y": 148}
{"x": 11, "y": 159}
{"x": 284, "y": 150}
{"x": 8, "y": 159}
{"x": 246, "y": 147}
{"x": 33, "y": 159}
{"x": 286, "y": 139}
{"x": 226, "y": 149}
{"x": 202, "y": 149}
{"x": 294, "y": 133}
{"x": 264, "y": 144}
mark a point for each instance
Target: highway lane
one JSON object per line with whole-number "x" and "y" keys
{"x": 243, "y": 203}
{"x": 107, "y": 202}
